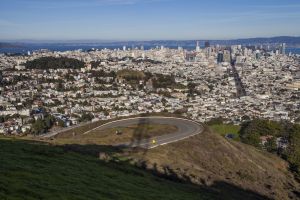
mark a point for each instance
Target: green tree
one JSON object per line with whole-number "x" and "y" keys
{"x": 261, "y": 127}
{"x": 60, "y": 86}
{"x": 251, "y": 138}
{"x": 164, "y": 101}
{"x": 293, "y": 153}
{"x": 49, "y": 121}
{"x": 61, "y": 123}
{"x": 60, "y": 110}
{"x": 2, "y": 119}
{"x": 215, "y": 121}
{"x": 54, "y": 63}
{"x": 246, "y": 118}
{"x": 86, "y": 117}
{"x": 271, "y": 145}
{"x": 38, "y": 127}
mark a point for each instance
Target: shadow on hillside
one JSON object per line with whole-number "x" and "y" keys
{"x": 139, "y": 135}
{"x": 93, "y": 150}
{"x": 220, "y": 189}
{"x": 217, "y": 190}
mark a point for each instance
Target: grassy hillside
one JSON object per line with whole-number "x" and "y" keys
{"x": 224, "y": 129}
{"x": 209, "y": 158}
{"x": 206, "y": 166}
{"x": 30, "y": 170}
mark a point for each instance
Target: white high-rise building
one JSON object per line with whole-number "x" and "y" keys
{"x": 197, "y": 47}
{"x": 283, "y": 47}
{"x": 124, "y": 48}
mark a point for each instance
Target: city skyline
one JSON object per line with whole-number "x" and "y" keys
{"x": 147, "y": 19}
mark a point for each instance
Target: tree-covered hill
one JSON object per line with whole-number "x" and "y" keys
{"x": 54, "y": 63}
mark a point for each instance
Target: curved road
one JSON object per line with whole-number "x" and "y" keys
{"x": 185, "y": 128}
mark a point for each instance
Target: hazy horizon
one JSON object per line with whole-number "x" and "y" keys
{"x": 111, "y": 41}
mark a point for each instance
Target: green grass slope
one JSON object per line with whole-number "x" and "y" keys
{"x": 30, "y": 170}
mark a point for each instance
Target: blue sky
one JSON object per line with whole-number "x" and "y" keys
{"x": 147, "y": 19}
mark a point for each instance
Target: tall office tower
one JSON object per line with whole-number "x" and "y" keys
{"x": 283, "y": 47}
{"x": 142, "y": 48}
{"x": 220, "y": 57}
{"x": 257, "y": 55}
{"x": 245, "y": 52}
{"x": 207, "y": 44}
{"x": 197, "y": 47}
{"x": 208, "y": 52}
{"x": 233, "y": 49}
{"x": 124, "y": 48}
{"x": 226, "y": 56}
{"x": 162, "y": 47}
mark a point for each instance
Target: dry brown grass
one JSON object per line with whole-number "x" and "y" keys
{"x": 208, "y": 158}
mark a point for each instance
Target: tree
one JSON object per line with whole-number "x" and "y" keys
{"x": 261, "y": 127}
{"x": 60, "y": 110}
{"x": 246, "y": 118}
{"x": 191, "y": 87}
{"x": 251, "y": 139}
{"x": 214, "y": 121}
{"x": 61, "y": 123}
{"x": 252, "y": 130}
{"x": 49, "y": 121}
{"x": 293, "y": 154}
{"x": 164, "y": 101}
{"x": 38, "y": 127}
{"x": 54, "y": 63}
{"x": 106, "y": 113}
{"x": 271, "y": 145}
{"x": 1, "y": 119}
{"x": 86, "y": 117}
{"x": 60, "y": 86}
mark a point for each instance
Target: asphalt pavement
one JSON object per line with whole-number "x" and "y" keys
{"x": 185, "y": 129}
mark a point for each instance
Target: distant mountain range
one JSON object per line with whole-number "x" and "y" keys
{"x": 9, "y": 45}
{"x": 289, "y": 40}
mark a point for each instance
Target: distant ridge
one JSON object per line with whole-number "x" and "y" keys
{"x": 9, "y": 45}
{"x": 291, "y": 41}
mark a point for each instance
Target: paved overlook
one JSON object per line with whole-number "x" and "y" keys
{"x": 185, "y": 129}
